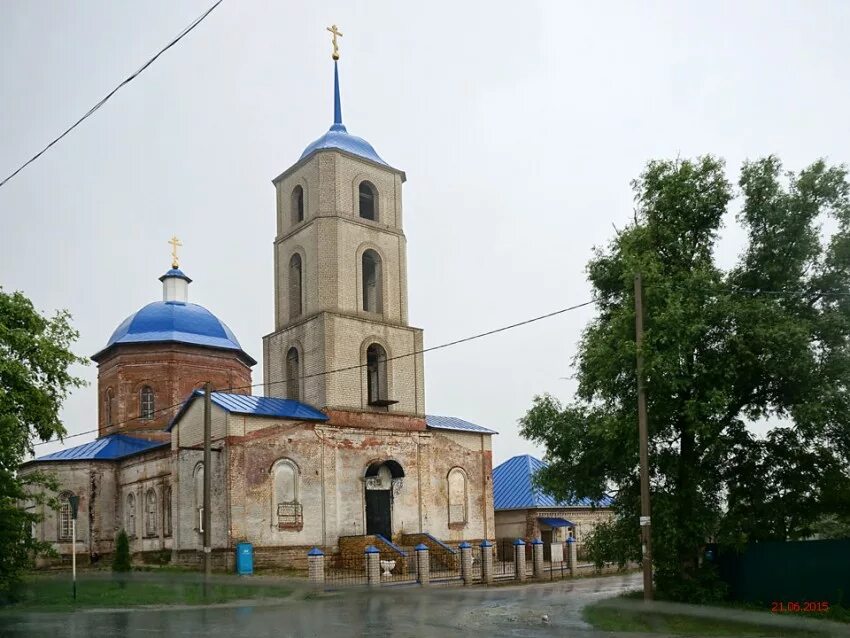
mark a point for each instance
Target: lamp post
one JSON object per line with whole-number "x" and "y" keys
{"x": 74, "y": 502}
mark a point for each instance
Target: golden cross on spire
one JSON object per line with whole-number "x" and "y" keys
{"x": 174, "y": 244}
{"x": 336, "y": 32}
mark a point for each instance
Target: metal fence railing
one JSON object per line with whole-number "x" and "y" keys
{"x": 399, "y": 564}
{"x": 344, "y": 570}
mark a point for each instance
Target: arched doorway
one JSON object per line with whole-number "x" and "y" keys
{"x": 382, "y": 479}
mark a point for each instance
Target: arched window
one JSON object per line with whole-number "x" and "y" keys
{"x": 376, "y": 375}
{"x": 107, "y": 406}
{"x": 64, "y": 532}
{"x": 295, "y": 286}
{"x": 286, "y": 505}
{"x": 166, "y": 511}
{"x": 199, "y": 495}
{"x": 293, "y": 374}
{"x": 372, "y": 282}
{"x": 457, "y": 496}
{"x": 368, "y": 201}
{"x": 297, "y": 205}
{"x": 146, "y": 403}
{"x": 150, "y": 512}
{"x": 131, "y": 515}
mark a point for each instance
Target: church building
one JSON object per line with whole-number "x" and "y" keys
{"x": 338, "y": 451}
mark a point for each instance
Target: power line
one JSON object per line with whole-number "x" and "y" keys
{"x": 345, "y": 369}
{"x": 133, "y": 76}
{"x": 734, "y": 288}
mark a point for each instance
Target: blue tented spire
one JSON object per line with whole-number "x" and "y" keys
{"x": 337, "y": 125}
{"x": 339, "y": 138}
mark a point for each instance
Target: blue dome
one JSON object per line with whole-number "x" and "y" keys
{"x": 338, "y": 138}
{"x": 176, "y": 322}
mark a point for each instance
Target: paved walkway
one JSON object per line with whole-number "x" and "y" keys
{"x": 545, "y": 609}
{"x": 389, "y": 612}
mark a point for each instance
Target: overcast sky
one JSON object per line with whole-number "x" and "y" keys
{"x": 519, "y": 125}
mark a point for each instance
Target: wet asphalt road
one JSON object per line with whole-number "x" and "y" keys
{"x": 388, "y": 612}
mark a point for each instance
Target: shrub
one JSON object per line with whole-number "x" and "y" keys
{"x": 121, "y": 562}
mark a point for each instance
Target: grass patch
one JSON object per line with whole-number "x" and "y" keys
{"x": 607, "y": 617}
{"x": 52, "y": 593}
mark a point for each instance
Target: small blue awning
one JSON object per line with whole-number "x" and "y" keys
{"x": 556, "y": 522}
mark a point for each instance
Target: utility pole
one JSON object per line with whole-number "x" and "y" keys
{"x": 645, "y": 527}
{"x": 207, "y": 519}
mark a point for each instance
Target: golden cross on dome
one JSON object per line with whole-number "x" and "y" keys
{"x": 174, "y": 244}
{"x": 336, "y": 32}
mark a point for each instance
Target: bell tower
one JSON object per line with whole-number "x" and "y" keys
{"x": 342, "y": 338}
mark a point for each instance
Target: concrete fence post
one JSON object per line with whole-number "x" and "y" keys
{"x": 571, "y": 542}
{"x": 465, "y": 562}
{"x": 486, "y": 561}
{"x": 423, "y": 564}
{"x": 316, "y": 565}
{"x": 373, "y": 566}
{"x": 519, "y": 559}
{"x": 537, "y": 556}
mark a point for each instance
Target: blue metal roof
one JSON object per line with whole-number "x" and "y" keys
{"x": 338, "y": 137}
{"x": 176, "y": 272}
{"x": 174, "y": 321}
{"x": 514, "y": 489}
{"x": 453, "y": 423}
{"x": 256, "y": 406}
{"x": 106, "y": 448}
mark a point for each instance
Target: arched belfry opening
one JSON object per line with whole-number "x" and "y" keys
{"x": 383, "y": 479}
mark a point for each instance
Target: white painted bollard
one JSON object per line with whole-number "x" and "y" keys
{"x": 373, "y": 566}
{"x": 486, "y": 561}
{"x": 537, "y": 557}
{"x": 573, "y": 556}
{"x": 466, "y": 562}
{"x": 519, "y": 559}
{"x": 423, "y": 564}
{"x": 316, "y": 565}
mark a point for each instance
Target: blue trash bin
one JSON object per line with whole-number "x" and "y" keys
{"x": 244, "y": 559}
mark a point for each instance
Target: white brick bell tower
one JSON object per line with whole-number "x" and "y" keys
{"x": 341, "y": 335}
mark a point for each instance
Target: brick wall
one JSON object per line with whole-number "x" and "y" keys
{"x": 173, "y": 371}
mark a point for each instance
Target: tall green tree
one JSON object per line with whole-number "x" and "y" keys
{"x": 767, "y": 341}
{"x": 35, "y": 378}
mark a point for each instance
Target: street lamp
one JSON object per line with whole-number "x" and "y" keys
{"x": 74, "y": 501}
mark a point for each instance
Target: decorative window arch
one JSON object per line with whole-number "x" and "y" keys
{"x": 199, "y": 495}
{"x": 150, "y": 512}
{"x": 130, "y": 515}
{"x": 368, "y": 204}
{"x": 286, "y": 501}
{"x": 297, "y": 204}
{"x": 146, "y": 403}
{"x": 293, "y": 374}
{"x": 107, "y": 406}
{"x": 376, "y": 375}
{"x": 166, "y": 511}
{"x": 295, "y": 281}
{"x": 457, "y": 489}
{"x": 64, "y": 520}
{"x": 373, "y": 281}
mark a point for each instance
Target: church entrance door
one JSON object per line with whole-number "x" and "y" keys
{"x": 378, "y": 517}
{"x": 383, "y": 479}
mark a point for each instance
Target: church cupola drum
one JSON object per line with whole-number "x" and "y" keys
{"x": 342, "y": 337}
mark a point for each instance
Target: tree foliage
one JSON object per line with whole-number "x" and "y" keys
{"x": 765, "y": 341}
{"x": 35, "y": 378}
